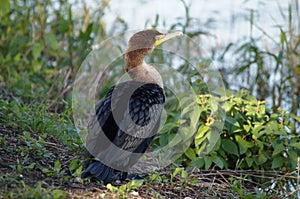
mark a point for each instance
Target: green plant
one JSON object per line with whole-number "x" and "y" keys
{"x": 39, "y": 192}
{"x": 180, "y": 171}
{"x": 42, "y": 46}
{"x": 269, "y": 73}
{"x": 253, "y": 137}
{"x": 123, "y": 190}
{"x": 75, "y": 168}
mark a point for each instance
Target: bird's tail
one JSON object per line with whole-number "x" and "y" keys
{"x": 99, "y": 171}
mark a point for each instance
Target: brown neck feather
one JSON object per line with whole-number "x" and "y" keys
{"x": 135, "y": 58}
{"x": 138, "y": 70}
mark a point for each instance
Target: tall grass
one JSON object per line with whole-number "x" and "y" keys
{"x": 43, "y": 43}
{"x": 272, "y": 74}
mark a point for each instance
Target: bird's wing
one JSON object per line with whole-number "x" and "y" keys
{"x": 139, "y": 124}
{"x": 140, "y": 121}
{"x": 129, "y": 116}
{"x": 97, "y": 124}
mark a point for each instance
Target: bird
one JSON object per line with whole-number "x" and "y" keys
{"x": 128, "y": 116}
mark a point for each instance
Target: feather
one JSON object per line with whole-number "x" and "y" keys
{"x": 129, "y": 117}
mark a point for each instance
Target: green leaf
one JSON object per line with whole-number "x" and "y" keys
{"x": 208, "y": 162}
{"x": 247, "y": 127}
{"x": 122, "y": 189}
{"x": 37, "y": 48}
{"x": 197, "y": 163}
{"x": 212, "y": 137}
{"x": 201, "y": 149}
{"x": 278, "y": 149}
{"x": 134, "y": 184}
{"x": 26, "y": 134}
{"x": 243, "y": 144}
{"x": 230, "y": 120}
{"x": 192, "y": 112}
{"x": 230, "y": 147}
{"x": 73, "y": 165}
{"x": 201, "y": 131}
{"x": 19, "y": 166}
{"x": 57, "y": 166}
{"x": 232, "y": 125}
{"x": 236, "y": 187}
{"x": 190, "y": 153}
{"x": 111, "y": 188}
{"x": 154, "y": 177}
{"x": 63, "y": 25}
{"x": 173, "y": 140}
{"x": 297, "y": 118}
{"x": 262, "y": 109}
{"x": 282, "y": 37}
{"x": 51, "y": 41}
{"x": 295, "y": 144}
{"x": 201, "y": 136}
{"x": 293, "y": 155}
{"x": 184, "y": 174}
{"x": 167, "y": 127}
{"x": 218, "y": 161}
{"x": 249, "y": 161}
{"x": 163, "y": 140}
{"x": 262, "y": 158}
{"x": 78, "y": 171}
{"x": 31, "y": 166}
{"x": 176, "y": 171}
{"x": 278, "y": 162}
{"x": 228, "y": 106}
{"x": 57, "y": 194}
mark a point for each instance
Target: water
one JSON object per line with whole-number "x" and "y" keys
{"x": 228, "y": 20}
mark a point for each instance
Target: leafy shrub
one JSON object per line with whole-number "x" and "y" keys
{"x": 253, "y": 137}
{"x": 42, "y": 44}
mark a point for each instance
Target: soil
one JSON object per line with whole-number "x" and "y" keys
{"x": 12, "y": 151}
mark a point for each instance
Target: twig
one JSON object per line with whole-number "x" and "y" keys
{"x": 53, "y": 145}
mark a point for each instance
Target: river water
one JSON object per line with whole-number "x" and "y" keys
{"x": 227, "y": 19}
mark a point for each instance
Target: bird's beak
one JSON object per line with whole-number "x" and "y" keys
{"x": 164, "y": 37}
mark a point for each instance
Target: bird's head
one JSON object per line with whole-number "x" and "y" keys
{"x": 143, "y": 43}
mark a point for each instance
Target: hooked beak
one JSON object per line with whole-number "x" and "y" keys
{"x": 164, "y": 37}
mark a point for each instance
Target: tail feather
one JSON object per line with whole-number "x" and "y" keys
{"x": 99, "y": 171}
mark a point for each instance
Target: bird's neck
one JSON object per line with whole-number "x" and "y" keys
{"x": 140, "y": 71}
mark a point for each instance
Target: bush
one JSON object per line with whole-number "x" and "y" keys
{"x": 253, "y": 137}
{"x": 42, "y": 45}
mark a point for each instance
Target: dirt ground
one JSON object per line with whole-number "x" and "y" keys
{"x": 16, "y": 160}
{"x": 12, "y": 152}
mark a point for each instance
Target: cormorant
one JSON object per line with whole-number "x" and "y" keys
{"x": 128, "y": 117}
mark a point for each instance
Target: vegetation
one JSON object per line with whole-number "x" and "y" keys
{"x": 252, "y": 137}
{"x": 254, "y": 155}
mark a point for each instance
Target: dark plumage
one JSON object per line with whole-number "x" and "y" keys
{"x": 142, "y": 99}
{"x": 128, "y": 116}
